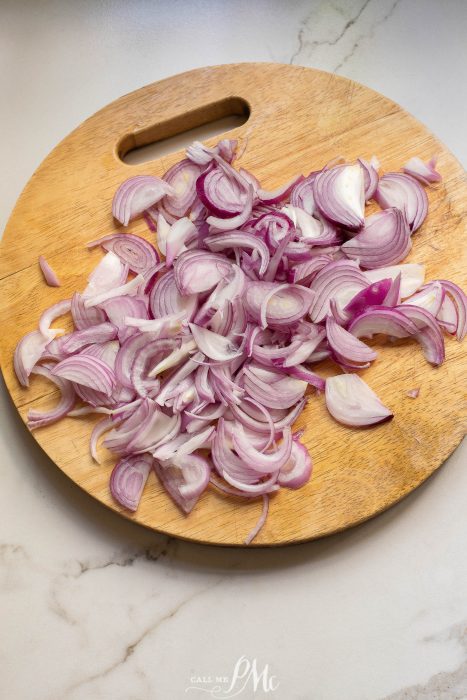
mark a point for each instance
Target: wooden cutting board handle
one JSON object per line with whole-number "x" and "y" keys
{"x": 299, "y": 119}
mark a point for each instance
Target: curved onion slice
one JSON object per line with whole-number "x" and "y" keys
{"x": 302, "y": 194}
{"x": 182, "y": 179}
{"x": 108, "y": 274}
{"x": 391, "y": 322}
{"x": 137, "y": 194}
{"x": 460, "y": 302}
{"x": 166, "y": 300}
{"x": 198, "y": 271}
{"x": 214, "y": 345}
{"x": 297, "y": 470}
{"x": 340, "y": 196}
{"x": 275, "y": 304}
{"x": 346, "y": 347}
{"x": 134, "y": 251}
{"x": 27, "y": 353}
{"x": 261, "y": 520}
{"x": 412, "y": 276}
{"x": 426, "y": 173}
{"x": 406, "y": 194}
{"x": 82, "y": 316}
{"x": 351, "y": 401}
{"x": 88, "y": 371}
{"x": 430, "y": 297}
{"x": 184, "y": 479}
{"x": 429, "y": 334}
{"x": 280, "y": 193}
{"x": 49, "y": 275}
{"x": 239, "y": 239}
{"x": 447, "y": 315}
{"x": 222, "y": 190}
{"x": 273, "y": 389}
{"x": 339, "y": 280}
{"x": 370, "y": 178}
{"x": 180, "y": 232}
{"x": 304, "y": 273}
{"x": 37, "y": 419}
{"x": 385, "y": 240}
{"x": 50, "y": 314}
{"x": 262, "y": 462}
{"x": 373, "y": 295}
{"x": 128, "y": 479}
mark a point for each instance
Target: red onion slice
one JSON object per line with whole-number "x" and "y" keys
{"x": 339, "y": 280}
{"x": 95, "y": 334}
{"x": 222, "y": 190}
{"x": 283, "y": 392}
{"x": 460, "y": 302}
{"x": 384, "y": 240}
{"x": 49, "y": 275}
{"x": 108, "y": 274}
{"x": 239, "y": 239}
{"x": 447, "y": 315}
{"x": 406, "y": 194}
{"x": 182, "y": 178}
{"x": 373, "y": 295}
{"x": 83, "y": 317}
{"x": 128, "y": 479}
{"x": 261, "y": 462}
{"x": 28, "y": 352}
{"x": 37, "y": 419}
{"x": 391, "y": 322}
{"x": 339, "y": 195}
{"x": 213, "y": 345}
{"x": 88, "y": 371}
{"x": 426, "y": 173}
{"x": 52, "y": 313}
{"x": 197, "y": 271}
{"x": 179, "y": 234}
{"x": 297, "y": 470}
{"x": 430, "y": 297}
{"x": 370, "y": 178}
{"x": 412, "y": 276}
{"x": 130, "y": 287}
{"x": 134, "y": 251}
{"x": 302, "y": 194}
{"x": 261, "y": 520}
{"x": 276, "y": 305}
{"x": 429, "y": 334}
{"x": 346, "y": 347}
{"x": 351, "y": 401}
{"x": 137, "y": 194}
{"x": 184, "y": 479}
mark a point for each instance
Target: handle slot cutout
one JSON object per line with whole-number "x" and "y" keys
{"x": 175, "y": 134}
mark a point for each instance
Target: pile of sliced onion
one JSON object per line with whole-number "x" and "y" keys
{"x": 199, "y": 363}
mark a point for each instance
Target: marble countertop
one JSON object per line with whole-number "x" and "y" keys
{"x": 93, "y": 607}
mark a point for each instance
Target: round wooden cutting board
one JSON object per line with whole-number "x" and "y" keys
{"x": 299, "y": 119}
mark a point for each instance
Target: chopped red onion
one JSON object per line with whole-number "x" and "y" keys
{"x": 137, "y": 194}
{"x": 406, "y": 194}
{"x": 210, "y": 354}
{"x": 49, "y": 275}
{"x": 384, "y": 240}
{"x": 339, "y": 195}
{"x": 426, "y": 173}
{"x": 134, "y": 251}
{"x": 351, "y": 401}
{"x": 128, "y": 479}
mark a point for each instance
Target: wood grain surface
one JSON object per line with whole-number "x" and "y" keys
{"x": 299, "y": 119}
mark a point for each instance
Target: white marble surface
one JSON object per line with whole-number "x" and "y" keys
{"x": 94, "y": 608}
